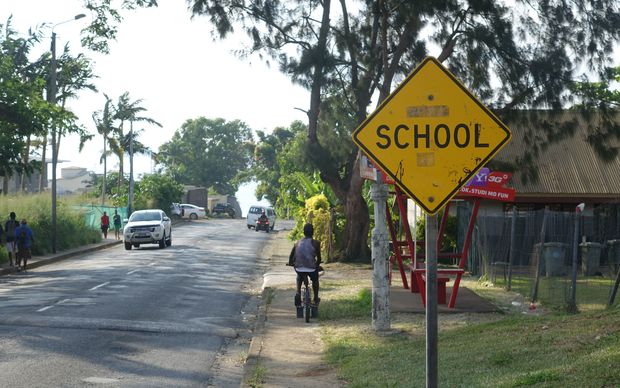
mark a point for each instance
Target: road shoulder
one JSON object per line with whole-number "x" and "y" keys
{"x": 285, "y": 351}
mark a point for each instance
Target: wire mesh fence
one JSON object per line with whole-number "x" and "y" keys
{"x": 532, "y": 252}
{"x": 92, "y": 213}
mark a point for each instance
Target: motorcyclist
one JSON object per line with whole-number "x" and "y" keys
{"x": 263, "y": 218}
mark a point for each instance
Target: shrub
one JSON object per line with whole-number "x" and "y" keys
{"x": 316, "y": 212}
{"x": 36, "y": 209}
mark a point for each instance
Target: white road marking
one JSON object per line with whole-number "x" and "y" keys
{"x": 134, "y": 271}
{"x": 49, "y": 307}
{"x": 101, "y": 285}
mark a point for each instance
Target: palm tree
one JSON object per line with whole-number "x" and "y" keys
{"x": 104, "y": 123}
{"x": 127, "y": 111}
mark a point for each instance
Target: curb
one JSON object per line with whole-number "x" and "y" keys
{"x": 62, "y": 256}
{"x": 256, "y": 344}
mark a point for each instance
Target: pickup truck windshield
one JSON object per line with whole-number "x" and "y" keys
{"x": 145, "y": 216}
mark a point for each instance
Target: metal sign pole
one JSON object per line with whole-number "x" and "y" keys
{"x": 380, "y": 262}
{"x": 431, "y": 301}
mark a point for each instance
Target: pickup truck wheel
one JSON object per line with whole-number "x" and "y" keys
{"x": 162, "y": 242}
{"x": 127, "y": 246}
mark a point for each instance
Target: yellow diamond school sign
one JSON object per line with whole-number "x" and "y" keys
{"x": 431, "y": 135}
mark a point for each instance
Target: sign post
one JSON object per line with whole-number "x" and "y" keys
{"x": 430, "y": 136}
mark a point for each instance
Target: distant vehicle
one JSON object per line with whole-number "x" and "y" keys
{"x": 255, "y": 212}
{"x": 192, "y": 212}
{"x": 222, "y": 208}
{"x": 151, "y": 226}
{"x": 175, "y": 209}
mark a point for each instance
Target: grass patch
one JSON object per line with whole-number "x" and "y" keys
{"x": 351, "y": 306}
{"x": 268, "y": 294}
{"x": 36, "y": 209}
{"x": 475, "y": 350}
{"x": 257, "y": 377}
{"x": 553, "y": 292}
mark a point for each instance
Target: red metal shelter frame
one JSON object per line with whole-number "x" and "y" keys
{"x": 416, "y": 267}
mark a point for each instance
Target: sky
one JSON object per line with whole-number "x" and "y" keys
{"x": 172, "y": 63}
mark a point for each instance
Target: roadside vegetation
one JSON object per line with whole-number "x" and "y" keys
{"x": 512, "y": 348}
{"x": 36, "y": 209}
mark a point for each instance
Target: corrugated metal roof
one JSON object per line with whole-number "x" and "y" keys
{"x": 566, "y": 168}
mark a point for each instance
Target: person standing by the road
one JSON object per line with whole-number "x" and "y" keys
{"x": 116, "y": 219}
{"x": 105, "y": 224}
{"x": 24, "y": 238}
{"x": 9, "y": 229}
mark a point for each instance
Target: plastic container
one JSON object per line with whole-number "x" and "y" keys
{"x": 590, "y": 258}
{"x": 554, "y": 257}
{"x": 613, "y": 254}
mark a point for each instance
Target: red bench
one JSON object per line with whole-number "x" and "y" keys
{"x": 418, "y": 279}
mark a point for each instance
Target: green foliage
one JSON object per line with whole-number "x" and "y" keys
{"x": 316, "y": 212}
{"x": 157, "y": 191}
{"x": 450, "y": 234}
{"x": 115, "y": 195}
{"x": 278, "y": 161}
{"x": 36, "y": 209}
{"x": 346, "y": 307}
{"x": 208, "y": 152}
{"x": 599, "y": 103}
{"x": 23, "y": 111}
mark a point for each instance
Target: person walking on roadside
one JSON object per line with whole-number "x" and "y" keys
{"x": 9, "y": 230}
{"x": 24, "y": 238}
{"x": 116, "y": 219}
{"x": 105, "y": 224}
{"x": 306, "y": 258}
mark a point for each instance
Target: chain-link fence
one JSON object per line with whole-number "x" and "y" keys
{"x": 532, "y": 252}
{"x": 92, "y": 213}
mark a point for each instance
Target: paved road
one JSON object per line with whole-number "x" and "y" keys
{"x": 146, "y": 317}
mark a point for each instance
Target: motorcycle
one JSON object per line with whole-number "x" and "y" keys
{"x": 262, "y": 225}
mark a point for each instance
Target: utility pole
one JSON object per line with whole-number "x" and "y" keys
{"x": 51, "y": 98}
{"x": 131, "y": 183}
{"x": 380, "y": 281}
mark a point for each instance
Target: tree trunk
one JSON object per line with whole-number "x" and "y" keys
{"x": 24, "y": 174}
{"x": 43, "y": 177}
{"x": 105, "y": 168}
{"x": 120, "y": 170}
{"x": 356, "y": 228}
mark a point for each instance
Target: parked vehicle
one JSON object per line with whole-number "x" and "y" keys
{"x": 255, "y": 212}
{"x": 192, "y": 212}
{"x": 175, "y": 209}
{"x": 151, "y": 226}
{"x": 223, "y": 208}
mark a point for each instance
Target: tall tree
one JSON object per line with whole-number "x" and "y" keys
{"x": 268, "y": 165}
{"x": 73, "y": 74}
{"x": 209, "y": 153}
{"x": 525, "y": 55}
{"x": 127, "y": 112}
{"x": 23, "y": 111}
{"x": 104, "y": 124}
